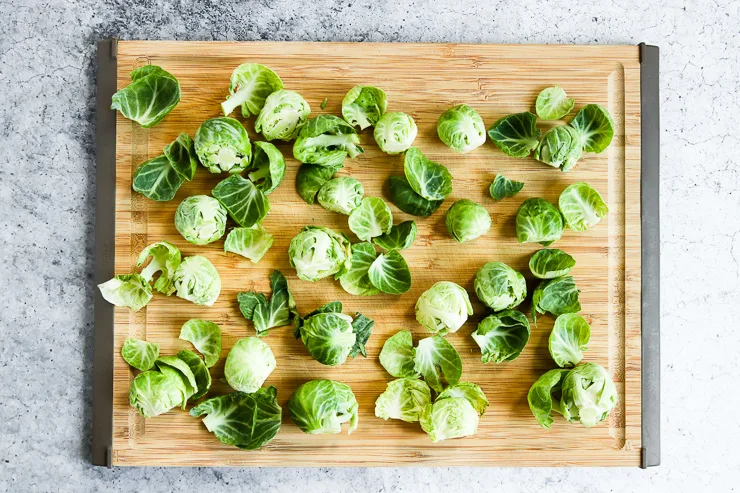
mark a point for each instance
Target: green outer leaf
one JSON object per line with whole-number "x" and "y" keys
{"x": 139, "y": 354}
{"x": 197, "y": 280}
{"x": 443, "y": 308}
{"x": 310, "y": 179}
{"x": 556, "y": 296}
{"x": 469, "y": 391}
{"x": 454, "y": 417}
{"x": 328, "y": 337}
{"x": 582, "y": 206}
{"x": 540, "y": 396}
{"x": 429, "y": 179}
{"x": 247, "y": 204}
{"x": 251, "y": 84}
{"x": 397, "y": 355}
{"x": 395, "y": 132}
{"x": 283, "y": 115}
{"x": 404, "y": 399}
{"x": 268, "y": 167}
{"x": 436, "y": 359}
{"x": 560, "y": 147}
{"x": 516, "y": 135}
{"x": 342, "y": 194}
{"x": 200, "y": 219}
{"x": 553, "y": 104}
{"x": 153, "y": 393}
{"x": 408, "y": 200}
{"x": 364, "y": 105}
{"x": 156, "y": 179}
{"x": 166, "y": 258}
{"x": 323, "y": 103}
{"x": 589, "y": 395}
{"x": 252, "y": 243}
{"x": 205, "y": 336}
{"x": 499, "y": 287}
{"x": 569, "y": 339}
{"x": 356, "y": 280}
{"x": 400, "y": 237}
{"x": 167, "y": 364}
{"x": 222, "y": 145}
{"x": 279, "y": 311}
{"x": 248, "y": 364}
{"x": 390, "y": 273}
{"x": 465, "y": 220}
{"x": 371, "y": 218}
{"x": 461, "y": 128}
{"x": 130, "y": 290}
{"x": 317, "y": 252}
{"x": 538, "y": 221}
{"x": 322, "y": 406}
{"x": 152, "y": 94}
{"x": 181, "y": 155}
{"x": 362, "y": 327}
{"x": 502, "y": 336}
{"x": 200, "y": 372}
{"x": 595, "y": 127}
{"x": 550, "y": 263}
{"x": 502, "y": 187}
{"x": 326, "y": 140}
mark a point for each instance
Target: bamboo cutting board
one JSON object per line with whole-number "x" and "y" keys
{"x": 422, "y": 80}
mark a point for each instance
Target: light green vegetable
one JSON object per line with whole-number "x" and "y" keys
{"x": 200, "y": 219}
{"x": 223, "y": 146}
{"x": 197, "y": 280}
{"x": 248, "y": 364}
{"x": 174, "y": 365}
{"x": 165, "y": 259}
{"x": 152, "y": 94}
{"x": 322, "y": 406}
{"x": 429, "y": 179}
{"x": 200, "y": 372}
{"x": 395, "y": 132}
{"x": 267, "y": 168}
{"x": 390, "y": 273}
{"x": 437, "y": 360}
{"x": 283, "y": 115}
{"x": 130, "y": 290}
{"x": 541, "y": 396}
{"x": 277, "y": 312}
{"x": 252, "y": 243}
{"x": 404, "y": 399}
{"x": 582, "y": 206}
{"x": 502, "y": 336}
{"x": 502, "y": 187}
{"x": 516, "y": 135}
{"x": 342, "y": 194}
{"x": 328, "y": 337}
{"x": 560, "y": 147}
{"x": 465, "y": 220}
{"x": 454, "y": 417}
{"x": 553, "y": 104}
{"x": 556, "y": 296}
{"x": 181, "y": 155}
{"x": 588, "y": 395}
{"x": 550, "y": 263}
{"x": 246, "y": 203}
{"x": 317, "y": 252}
{"x": 408, "y": 200}
{"x": 205, "y": 336}
{"x": 538, "y": 221}
{"x": 397, "y": 355}
{"x": 251, "y": 84}
{"x": 443, "y": 308}
{"x": 356, "y": 280}
{"x": 461, "y": 128}
{"x": 499, "y": 286}
{"x": 364, "y": 105}
{"x": 153, "y": 393}
{"x": 156, "y": 179}
{"x": 326, "y": 140}
{"x": 310, "y": 179}
{"x": 371, "y": 218}
{"x": 595, "y": 128}
{"x": 400, "y": 237}
{"x": 569, "y": 339}
{"x": 468, "y": 391}
{"x": 139, "y": 354}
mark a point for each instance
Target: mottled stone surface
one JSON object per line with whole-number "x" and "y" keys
{"x": 47, "y": 195}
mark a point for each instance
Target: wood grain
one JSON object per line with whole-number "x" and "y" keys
{"x": 422, "y": 80}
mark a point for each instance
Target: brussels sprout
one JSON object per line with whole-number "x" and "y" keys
{"x": 279, "y": 311}
{"x": 397, "y": 355}
{"x": 197, "y": 280}
{"x": 390, "y": 273}
{"x": 156, "y": 179}
{"x": 454, "y": 417}
{"x": 461, "y": 128}
{"x": 568, "y": 339}
{"x": 200, "y": 219}
{"x": 541, "y": 396}
{"x": 582, "y": 206}
{"x": 429, "y": 179}
{"x": 404, "y": 399}
{"x": 268, "y": 167}
{"x": 248, "y": 364}
{"x": 400, "y": 237}
{"x": 436, "y": 360}
{"x": 595, "y": 128}
{"x": 205, "y": 336}
{"x": 395, "y": 132}
{"x": 152, "y": 94}
{"x": 550, "y": 263}
{"x": 181, "y": 155}
{"x": 246, "y": 203}
{"x": 310, "y": 178}
{"x": 356, "y": 280}
{"x": 502, "y": 187}
{"x": 516, "y": 135}
{"x": 364, "y": 105}
{"x": 166, "y": 258}
{"x": 468, "y": 391}
{"x": 500, "y": 287}
{"x": 371, "y": 218}
{"x": 328, "y": 337}
{"x": 553, "y": 104}
{"x": 322, "y": 406}
{"x": 538, "y": 221}
{"x": 283, "y": 115}
{"x": 443, "y": 308}
{"x": 153, "y": 393}
{"x": 130, "y": 290}
{"x": 556, "y": 296}
{"x": 175, "y": 366}
{"x": 139, "y": 354}
{"x": 408, "y": 200}
{"x": 251, "y": 84}
{"x": 588, "y": 395}
{"x": 317, "y": 252}
{"x": 251, "y": 243}
{"x": 248, "y": 421}
{"x": 465, "y": 220}
{"x": 560, "y": 147}
{"x": 502, "y": 336}
{"x": 222, "y": 145}
{"x": 326, "y": 140}
{"x": 199, "y": 370}
{"x": 342, "y": 194}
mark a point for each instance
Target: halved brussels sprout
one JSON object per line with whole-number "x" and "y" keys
{"x": 248, "y": 364}
{"x": 166, "y": 258}
{"x": 408, "y": 200}
{"x": 364, "y": 105}
{"x": 582, "y": 206}
{"x": 246, "y": 203}
{"x": 500, "y": 287}
{"x": 465, "y": 220}
{"x": 283, "y": 115}
{"x": 502, "y": 187}
{"x": 516, "y": 135}
{"x": 317, "y": 252}
{"x": 502, "y": 336}
{"x": 267, "y": 168}
{"x": 156, "y": 179}
{"x": 342, "y": 194}
{"x": 560, "y": 147}
{"x": 595, "y": 128}
{"x": 404, "y": 399}
{"x": 538, "y": 221}
{"x": 223, "y": 146}
{"x": 588, "y": 395}
{"x": 550, "y": 263}
{"x": 371, "y": 218}
{"x": 443, "y": 308}
{"x": 429, "y": 179}
{"x": 461, "y": 128}
{"x": 454, "y": 417}
{"x": 553, "y": 104}
{"x": 395, "y": 132}
{"x": 569, "y": 339}
{"x": 200, "y": 219}
{"x": 130, "y": 290}
{"x": 251, "y": 84}
{"x": 151, "y": 95}
{"x": 322, "y": 406}
{"x": 197, "y": 280}
{"x": 326, "y": 140}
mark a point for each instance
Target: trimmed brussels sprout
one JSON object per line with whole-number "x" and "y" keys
{"x": 408, "y": 200}
{"x": 166, "y": 258}
{"x": 371, "y": 218}
{"x": 317, "y": 252}
{"x": 342, "y": 194}
{"x": 356, "y": 280}
{"x": 553, "y": 104}
{"x": 267, "y": 168}
{"x": 156, "y": 179}
{"x": 443, "y": 308}
{"x": 397, "y": 355}
{"x": 588, "y": 395}
{"x": 283, "y": 115}
{"x": 516, "y": 135}
{"x": 465, "y": 220}
{"x": 437, "y": 360}
{"x": 550, "y": 263}
{"x": 322, "y": 406}
{"x": 277, "y": 312}
{"x": 502, "y": 187}
{"x": 556, "y": 296}
{"x": 246, "y": 203}
{"x": 326, "y": 140}
{"x": 390, "y": 273}
{"x": 461, "y": 128}
{"x": 328, "y": 337}
{"x": 568, "y": 339}
{"x": 395, "y": 132}
{"x": 200, "y": 219}
{"x": 542, "y": 396}
{"x": 251, "y": 84}
{"x": 502, "y": 336}
{"x": 181, "y": 155}
{"x": 153, "y": 393}
{"x": 404, "y": 399}
{"x": 538, "y": 221}
{"x": 429, "y": 179}
{"x": 248, "y": 421}
{"x": 139, "y": 354}
{"x": 130, "y": 290}
{"x": 197, "y": 280}
{"x": 500, "y": 287}
{"x": 595, "y": 128}
{"x": 468, "y": 391}
{"x": 248, "y": 364}
{"x": 454, "y": 417}
{"x": 152, "y": 94}
{"x": 560, "y": 147}
{"x": 199, "y": 370}
{"x": 223, "y": 146}
{"x": 363, "y": 106}
{"x": 582, "y": 206}
{"x": 252, "y": 243}
{"x": 205, "y": 336}
{"x": 310, "y": 179}
{"x": 400, "y": 237}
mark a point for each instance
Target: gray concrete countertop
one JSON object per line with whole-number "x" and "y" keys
{"x": 47, "y": 195}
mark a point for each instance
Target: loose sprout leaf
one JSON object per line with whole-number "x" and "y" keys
{"x": 395, "y": 132}
{"x": 502, "y": 187}
{"x": 248, "y": 364}
{"x": 500, "y": 287}
{"x": 469, "y": 391}
{"x": 181, "y": 154}
{"x": 588, "y": 395}
{"x": 550, "y": 263}
{"x": 362, "y": 327}
{"x": 582, "y": 206}
{"x": 152, "y": 94}
{"x": 247, "y": 204}
{"x": 317, "y": 252}
{"x": 248, "y": 421}
{"x": 516, "y": 135}
{"x": 408, "y": 200}
{"x": 371, "y": 218}
{"x": 502, "y": 336}
{"x": 197, "y": 280}
{"x": 323, "y": 103}
{"x": 553, "y": 104}
{"x": 541, "y": 396}
{"x": 200, "y": 372}
{"x": 279, "y": 311}
{"x": 174, "y": 365}
{"x": 326, "y": 140}
{"x": 166, "y": 259}
{"x": 356, "y": 280}
{"x": 595, "y": 127}
{"x": 139, "y": 354}
{"x": 252, "y": 243}
{"x": 342, "y": 194}
{"x": 560, "y": 147}
{"x": 310, "y": 178}
{"x": 429, "y": 179}
{"x": 153, "y": 393}
{"x": 397, "y": 355}
{"x": 130, "y": 290}
{"x": 400, "y": 237}
{"x": 156, "y": 179}
{"x": 437, "y": 360}
{"x": 538, "y": 221}
{"x": 465, "y": 220}
{"x": 443, "y": 308}
{"x": 205, "y": 336}
{"x": 328, "y": 337}
{"x": 200, "y": 219}
{"x": 322, "y": 406}
{"x": 390, "y": 273}
{"x": 404, "y": 399}
{"x": 569, "y": 339}
{"x": 461, "y": 128}
{"x": 454, "y": 417}
{"x": 222, "y": 145}
{"x": 251, "y": 84}
{"x": 268, "y": 167}
{"x": 364, "y": 105}
{"x": 283, "y": 115}
{"x": 556, "y": 296}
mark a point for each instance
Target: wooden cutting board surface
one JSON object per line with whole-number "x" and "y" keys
{"x": 422, "y": 80}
